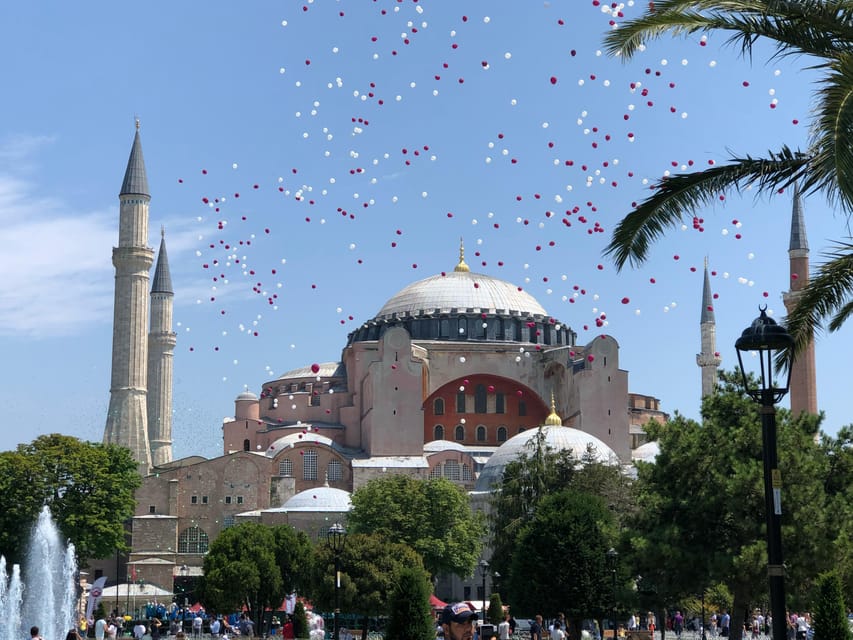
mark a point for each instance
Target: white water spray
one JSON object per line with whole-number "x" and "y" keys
{"x": 46, "y": 596}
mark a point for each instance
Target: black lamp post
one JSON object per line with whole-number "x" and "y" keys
{"x": 612, "y": 559}
{"x": 335, "y": 537}
{"x": 185, "y": 571}
{"x": 484, "y": 567}
{"x": 496, "y": 581}
{"x": 769, "y": 340}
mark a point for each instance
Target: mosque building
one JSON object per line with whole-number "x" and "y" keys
{"x": 448, "y": 379}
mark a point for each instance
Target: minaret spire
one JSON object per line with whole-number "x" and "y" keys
{"x": 708, "y": 358}
{"x": 161, "y": 354}
{"x": 127, "y": 416}
{"x": 803, "y": 369}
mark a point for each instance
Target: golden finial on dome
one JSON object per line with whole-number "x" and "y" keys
{"x": 462, "y": 266}
{"x": 553, "y": 420}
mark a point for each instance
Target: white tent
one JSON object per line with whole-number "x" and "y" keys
{"x": 131, "y": 596}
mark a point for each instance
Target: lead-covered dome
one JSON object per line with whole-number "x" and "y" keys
{"x": 557, "y": 438}
{"x": 460, "y": 291}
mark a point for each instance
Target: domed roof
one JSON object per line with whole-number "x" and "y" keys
{"x": 319, "y": 499}
{"x": 461, "y": 290}
{"x": 292, "y": 439}
{"x": 434, "y": 446}
{"x": 646, "y": 452}
{"x": 558, "y": 438}
{"x": 324, "y": 370}
{"x": 247, "y": 395}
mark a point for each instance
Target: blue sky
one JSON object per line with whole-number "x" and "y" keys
{"x": 339, "y": 150}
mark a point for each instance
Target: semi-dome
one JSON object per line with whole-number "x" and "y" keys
{"x": 557, "y": 437}
{"x": 461, "y": 290}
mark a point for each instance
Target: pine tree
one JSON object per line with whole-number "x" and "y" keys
{"x": 300, "y": 621}
{"x": 410, "y": 617}
{"x": 496, "y": 609}
{"x": 830, "y": 620}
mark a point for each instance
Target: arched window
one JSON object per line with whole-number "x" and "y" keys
{"x": 309, "y": 465}
{"x": 285, "y": 468}
{"x": 438, "y": 432}
{"x": 460, "y": 402}
{"x": 480, "y": 399}
{"x": 247, "y": 445}
{"x": 520, "y": 429}
{"x": 335, "y": 471}
{"x": 466, "y": 473}
{"x": 438, "y": 406}
{"x": 481, "y": 433}
{"x": 451, "y": 470}
{"x": 500, "y": 403}
{"x": 193, "y": 540}
{"x": 460, "y": 432}
{"x": 435, "y": 472}
{"x": 501, "y": 434}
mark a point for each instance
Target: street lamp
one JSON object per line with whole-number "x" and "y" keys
{"x": 496, "y": 580}
{"x": 185, "y": 571}
{"x": 484, "y": 567}
{"x": 770, "y": 340}
{"x": 335, "y": 537}
{"x": 612, "y": 559}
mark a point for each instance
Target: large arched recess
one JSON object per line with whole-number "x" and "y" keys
{"x": 522, "y": 408}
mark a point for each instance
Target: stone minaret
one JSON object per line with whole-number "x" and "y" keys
{"x": 708, "y": 359}
{"x": 127, "y": 418}
{"x": 161, "y": 354}
{"x": 803, "y": 377}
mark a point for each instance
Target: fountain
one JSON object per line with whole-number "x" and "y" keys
{"x": 45, "y": 595}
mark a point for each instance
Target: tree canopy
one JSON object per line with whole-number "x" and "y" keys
{"x": 700, "y": 515}
{"x": 369, "y": 565}
{"x": 255, "y": 565}
{"x": 822, "y": 32}
{"x": 89, "y": 488}
{"x": 433, "y": 517}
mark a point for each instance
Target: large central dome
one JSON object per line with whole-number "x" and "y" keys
{"x": 461, "y": 290}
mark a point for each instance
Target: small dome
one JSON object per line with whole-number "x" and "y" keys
{"x": 646, "y": 452}
{"x": 461, "y": 290}
{"x": 324, "y": 370}
{"x": 558, "y": 438}
{"x": 319, "y": 499}
{"x": 247, "y": 395}
{"x": 434, "y": 446}
{"x": 291, "y": 439}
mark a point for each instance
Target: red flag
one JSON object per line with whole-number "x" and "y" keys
{"x": 133, "y": 573}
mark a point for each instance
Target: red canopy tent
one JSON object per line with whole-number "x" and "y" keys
{"x": 435, "y": 603}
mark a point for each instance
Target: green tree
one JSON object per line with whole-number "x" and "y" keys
{"x": 822, "y": 32}
{"x": 369, "y": 564}
{"x": 433, "y": 517}
{"x": 88, "y": 486}
{"x": 243, "y": 567}
{"x": 564, "y": 564}
{"x": 495, "y": 612}
{"x": 300, "y": 621}
{"x": 838, "y": 487}
{"x": 830, "y": 615}
{"x": 701, "y": 517}
{"x": 410, "y": 616}
{"x": 538, "y": 472}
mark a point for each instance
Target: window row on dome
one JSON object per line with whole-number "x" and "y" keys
{"x": 475, "y": 327}
{"x": 481, "y": 433}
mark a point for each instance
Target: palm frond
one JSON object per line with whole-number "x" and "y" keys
{"x": 678, "y": 196}
{"x": 831, "y": 136}
{"x": 814, "y": 27}
{"x": 829, "y": 293}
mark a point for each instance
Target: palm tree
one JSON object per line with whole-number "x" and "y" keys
{"x": 822, "y": 32}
